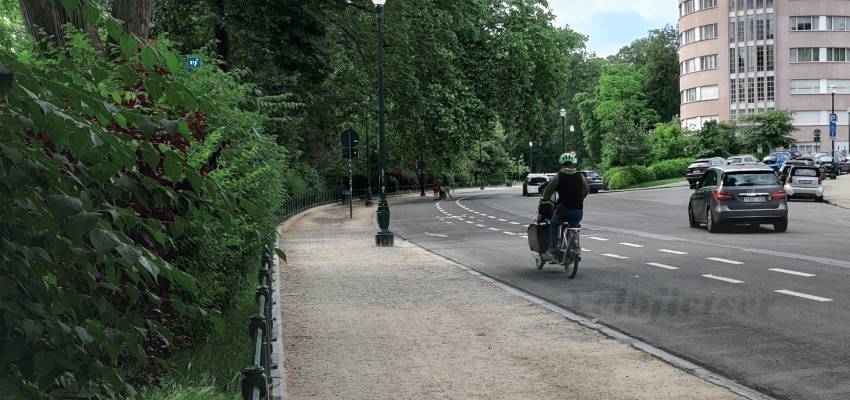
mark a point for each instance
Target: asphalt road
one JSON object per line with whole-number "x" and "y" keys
{"x": 770, "y": 310}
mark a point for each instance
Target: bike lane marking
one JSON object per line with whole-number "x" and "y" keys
{"x": 619, "y": 257}
{"x": 722, "y": 278}
{"x": 659, "y": 265}
{"x": 673, "y": 251}
{"x": 790, "y": 272}
{"x": 802, "y": 295}
{"x": 631, "y": 244}
{"x": 723, "y": 260}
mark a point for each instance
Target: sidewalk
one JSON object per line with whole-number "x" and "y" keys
{"x": 362, "y": 322}
{"x": 837, "y": 191}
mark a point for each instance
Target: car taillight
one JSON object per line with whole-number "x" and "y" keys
{"x": 722, "y": 196}
{"x": 778, "y": 195}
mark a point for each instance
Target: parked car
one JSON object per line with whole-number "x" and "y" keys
{"x": 804, "y": 182}
{"x": 745, "y": 159}
{"x": 532, "y": 183}
{"x": 795, "y": 155}
{"x": 826, "y": 164}
{"x": 841, "y": 161}
{"x": 775, "y": 160}
{"x": 787, "y": 165}
{"x": 698, "y": 167}
{"x": 738, "y": 194}
{"x": 594, "y": 181}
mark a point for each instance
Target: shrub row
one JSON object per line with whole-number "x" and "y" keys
{"x": 623, "y": 177}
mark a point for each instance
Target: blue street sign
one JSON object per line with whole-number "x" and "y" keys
{"x": 193, "y": 62}
{"x": 833, "y": 122}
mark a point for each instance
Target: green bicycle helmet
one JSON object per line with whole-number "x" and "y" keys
{"x": 567, "y": 158}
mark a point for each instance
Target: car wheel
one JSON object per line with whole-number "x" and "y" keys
{"x": 711, "y": 225}
{"x": 691, "y": 219}
{"x": 819, "y": 199}
{"x": 781, "y": 226}
{"x": 594, "y": 190}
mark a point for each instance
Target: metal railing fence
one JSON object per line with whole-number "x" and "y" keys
{"x": 256, "y": 378}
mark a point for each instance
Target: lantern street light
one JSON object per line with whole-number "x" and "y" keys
{"x": 384, "y": 238}
{"x": 530, "y": 157}
{"x": 563, "y": 133}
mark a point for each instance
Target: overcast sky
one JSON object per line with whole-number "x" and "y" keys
{"x": 612, "y": 24}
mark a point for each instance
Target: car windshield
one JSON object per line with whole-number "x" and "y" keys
{"x": 699, "y": 164}
{"x": 805, "y": 172}
{"x": 592, "y": 175}
{"x": 826, "y": 159}
{"x": 735, "y": 159}
{"x": 537, "y": 181}
{"x": 760, "y": 178}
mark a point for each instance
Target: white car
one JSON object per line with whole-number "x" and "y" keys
{"x": 532, "y": 183}
{"x": 804, "y": 182}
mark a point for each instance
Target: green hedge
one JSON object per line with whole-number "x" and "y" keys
{"x": 623, "y": 177}
{"x": 671, "y": 168}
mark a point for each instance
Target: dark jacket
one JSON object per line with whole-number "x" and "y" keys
{"x": 571, "y": 187}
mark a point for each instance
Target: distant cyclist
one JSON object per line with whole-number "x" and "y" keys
{"x": 572, "y": 188}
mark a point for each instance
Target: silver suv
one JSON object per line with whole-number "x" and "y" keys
{"x": 738, "y": 194}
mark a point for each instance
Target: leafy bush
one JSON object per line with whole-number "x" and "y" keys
{"x": 623, "y": 177}
{"x": 119, "y": 181}
{"x": 670, "y": 168}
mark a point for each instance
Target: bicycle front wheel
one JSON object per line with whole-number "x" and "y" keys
{"x": 571, "y": 259}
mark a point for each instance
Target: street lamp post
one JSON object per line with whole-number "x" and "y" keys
{"x": 831, "y": 135}
{"x": 563, "y": 134}
{"x": 530, "y": 158}
{"x": 384, "y": 238}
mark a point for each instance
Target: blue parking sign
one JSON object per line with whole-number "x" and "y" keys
{"x": 833, "y": 122}
{"x": 193, "y": 62}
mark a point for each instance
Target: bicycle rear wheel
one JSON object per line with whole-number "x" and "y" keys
{"x": 571, "y": 259}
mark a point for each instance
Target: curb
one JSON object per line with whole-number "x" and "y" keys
{"x": 669, "y": 358}
{"x": 836, "y": 204}
{"x": 646, "y": 188}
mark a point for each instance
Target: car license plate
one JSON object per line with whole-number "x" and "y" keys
{"x": 806, "y": 182}
{"x": 753, "y": 199}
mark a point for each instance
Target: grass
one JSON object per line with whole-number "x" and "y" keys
{"x": 213, "y": 370}
{"x": 660, "y": 182}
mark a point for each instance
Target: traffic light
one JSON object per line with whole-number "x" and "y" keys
{"x": 349, "y": 140}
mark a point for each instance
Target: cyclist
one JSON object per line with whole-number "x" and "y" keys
{"x": 572, "y": 188}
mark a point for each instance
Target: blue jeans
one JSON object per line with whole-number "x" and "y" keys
{"x": 572, "y": 216}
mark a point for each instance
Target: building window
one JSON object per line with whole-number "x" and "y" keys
{"x": 751, "y": 90}
{"x": 771, "y": 89}
{"x": 700, "y": 93}
{"x": 760, "y": 27}
{"x": 760, "y": 89}
{"x": 741, "y": 58}
{"x": 805, "y": 86}
{"x": 703, "y": 4}
{"x": 838, "y": 23}
{"x": 742, "y": 93}
{"x": 769, "y": 22}
{"x": 836, "y": 54}
{"x": 805, "y": 54}
{"x": 708, "y": 32}
{"x": 841, "y": 86}
{"x": 687, "y": 8}
{"x": 709, "y": 62}
{"x": 733, "y": 97}
{"x": 770, "y": 57}
{"x": 808, "y": 23}
{"x": 741, "y": 29}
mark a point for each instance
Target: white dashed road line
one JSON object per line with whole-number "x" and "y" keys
{"x": 789, "y": 272}
{"x": 631, "y": 244}
{"x": 515, "y": 223}
{"x": 721, "y": 278}
{"x": 725, "y": 261}
{"x": 509, "y": 233}
{"x": 659, "y": 265}
{"x": 597, "y": 238}
{"x": 481, "y": 226}
{"x": 436, "y": 235}
{"x": 803, "y": 295}
{"x": 615, "y": 256}
{"x": 468, "y": 222}
{"x": 586, "y": 250}
{"x": 502, "y": 220}
{"x": 493, "y": 229}
{"x": 672, "y": 251}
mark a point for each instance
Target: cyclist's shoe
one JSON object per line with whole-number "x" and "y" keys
{"x": 552, "y": 252}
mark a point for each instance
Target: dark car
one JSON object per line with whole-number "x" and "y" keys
{"x": 738, "y": 194}
{"x": 698, "y": 167}
{"x": 841, "y": 162}
{"x": 827, "y": 165}
{"x": 594, "y": 181}
{"x": 783, "y": 170}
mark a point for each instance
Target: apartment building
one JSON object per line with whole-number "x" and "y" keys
{"x": 744, "y": 57}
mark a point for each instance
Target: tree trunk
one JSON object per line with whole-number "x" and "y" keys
{"x": 220, "y": 33}
{"x": 136, "y": 15}
{"x": 45, "y": 20}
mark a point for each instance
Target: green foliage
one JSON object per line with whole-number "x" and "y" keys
{"x": 674, "y": 168}
{"x": 656, "y": 57}
{"x": 768, "y": 130}
{"x": 623, "y": 177}
{"x": 667, "y": 141}
{"x": 715, "y": 140}
{"x": 135, "y": 198}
